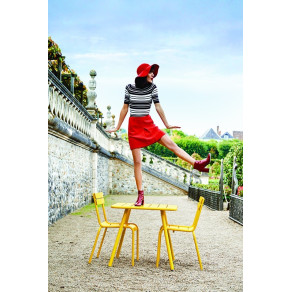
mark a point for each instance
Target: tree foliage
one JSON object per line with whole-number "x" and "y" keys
{"x": 55, "y": 56}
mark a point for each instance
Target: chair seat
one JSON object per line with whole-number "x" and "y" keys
{"x": 117, "y": 225}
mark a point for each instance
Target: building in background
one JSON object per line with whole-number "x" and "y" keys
{"x": 210, "y": 135}
{"x": 238, "y": 135}
{"x": 226, "y": 136}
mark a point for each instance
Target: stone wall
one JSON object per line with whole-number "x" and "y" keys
{"x": 102, "y": 174}
{"x": 69, "y": 177}
{"x": 123, "y": 181}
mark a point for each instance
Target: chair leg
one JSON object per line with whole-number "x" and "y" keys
{"x": 196, "y": 244}
{"x": 98, "y": 253}
{"x": 120, "y": 244}
{"x": 170, "y": 241}
{"x": 170, "y": 245}
{"x": 94, "y": 245}
{"x": 158, "y": 247}
{"x": 133, "y": 247}
{"x": 137, "y": 255}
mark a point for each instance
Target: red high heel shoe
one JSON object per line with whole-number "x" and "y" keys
{"x": 200, "y": 165}
{"x": 140, "y": 199}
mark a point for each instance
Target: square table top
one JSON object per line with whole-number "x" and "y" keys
{"x": 161, "y": 207}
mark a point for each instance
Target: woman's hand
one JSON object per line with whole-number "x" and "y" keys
{"x": 173, "y": 127}
{"x": 112, "y": 130}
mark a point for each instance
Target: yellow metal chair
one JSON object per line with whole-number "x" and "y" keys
{"x": 184, "y": 229}
{"x": 99, "y": 200}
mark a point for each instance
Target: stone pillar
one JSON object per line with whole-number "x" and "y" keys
{"x": 72, "y": 82}
{"x": 91, "y": 94}
{"x": 60, "y": 61}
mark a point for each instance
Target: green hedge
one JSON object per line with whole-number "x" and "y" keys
{"x": 212, "y": 187}
{"x": 192, "y": 144}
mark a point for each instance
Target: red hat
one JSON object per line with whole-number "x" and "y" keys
{"x": 144, "y": 69}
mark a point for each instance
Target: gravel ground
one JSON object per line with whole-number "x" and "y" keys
{"x": 219, "y": 239}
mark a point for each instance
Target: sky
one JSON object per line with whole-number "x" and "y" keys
{"x": 197, "y": 44}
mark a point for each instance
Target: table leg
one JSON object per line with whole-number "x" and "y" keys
{"x": 164, "y": 220}
{"x": 122, "y": 238}
{"x": 125, "y": 216}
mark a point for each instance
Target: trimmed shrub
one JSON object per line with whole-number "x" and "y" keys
{"x": 215, "y": 169}
{"x": 224, "y": 148}
{"x": 192, "y": 144}
{"x": 212, "y": 147}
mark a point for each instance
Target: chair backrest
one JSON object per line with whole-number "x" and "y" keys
{"x": 198, "y": 213}
{"x": 99, "y": 200}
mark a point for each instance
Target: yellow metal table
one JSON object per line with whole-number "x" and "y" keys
{"x": 128, "y": 207}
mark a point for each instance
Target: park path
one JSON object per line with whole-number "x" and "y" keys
{"x": 220, "y": 242}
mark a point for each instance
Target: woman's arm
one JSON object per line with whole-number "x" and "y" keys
{"x": 163, "y": 117}
{"x": 123, "y": 114}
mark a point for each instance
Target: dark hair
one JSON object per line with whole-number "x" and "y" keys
{"x": 141, "y": 82}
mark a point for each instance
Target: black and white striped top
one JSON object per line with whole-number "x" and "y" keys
{"x": 140, "y": 99}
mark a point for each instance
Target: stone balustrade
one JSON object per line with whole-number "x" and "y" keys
{"x": 64, "y": 106}
{"x": 155, "y": 162}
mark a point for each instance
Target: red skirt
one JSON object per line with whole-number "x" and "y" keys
{"x": 143, "y": 132}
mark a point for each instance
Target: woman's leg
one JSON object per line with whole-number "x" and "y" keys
{"x": 137, "y": 167}
{"x": 169, "y": 144}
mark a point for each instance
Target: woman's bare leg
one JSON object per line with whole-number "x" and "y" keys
{"x": 137, "y": 167}
{"x": 169, "y": 144}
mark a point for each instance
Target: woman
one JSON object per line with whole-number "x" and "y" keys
{"x": 142, "y": 131}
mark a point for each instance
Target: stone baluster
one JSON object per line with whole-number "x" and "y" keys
{"x": 178, "y": 175}
{"x": 144, "y": 158}
{"x": 91, "y": 94}
{"x": 113, "y": 126}
{"x": 167, "y": 172}
{"x": 150, "y": 161}
{"x": 154, "y": 163}
{"x": 101, "y": 117}
{"x": 187, "y": 177}
{"x": 108, "y": 120}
